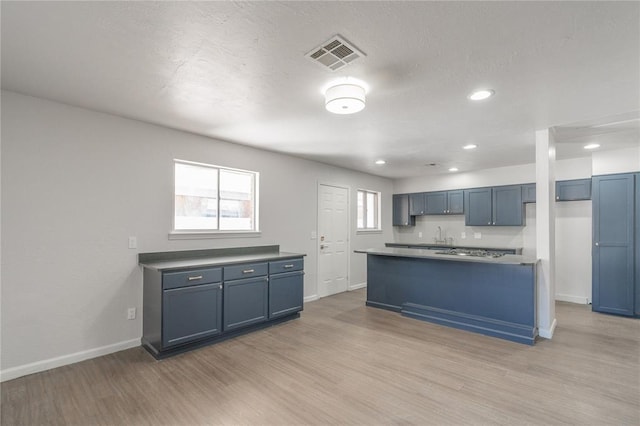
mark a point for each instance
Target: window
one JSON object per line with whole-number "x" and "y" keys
{"x": 368, "y": 210}
{"x": 211, "y": 198}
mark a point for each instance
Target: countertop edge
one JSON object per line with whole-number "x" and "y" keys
{"x": 201, "y": 262}
{"x": 508, "y": 259}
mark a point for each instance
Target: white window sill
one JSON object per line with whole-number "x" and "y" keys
{"x": 368, "y": 231}
{"x": 200, "y": 235}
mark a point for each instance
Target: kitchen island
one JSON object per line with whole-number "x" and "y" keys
{"x": 487, "y": 293}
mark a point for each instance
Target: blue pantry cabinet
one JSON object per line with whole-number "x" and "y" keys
{"x": 615, "y": 233}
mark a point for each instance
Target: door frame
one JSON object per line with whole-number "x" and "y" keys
{"x": 348, "y": 188}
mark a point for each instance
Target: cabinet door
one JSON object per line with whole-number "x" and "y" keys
{"x": 285, "y": 293}
{"x": 637, "y": 246}
{"x": 613, "y": 229}
{"x": 416, "y": 204}
{"x": 245, "y": 302}
{"x": 478, "y": 203}
{"x": 436, "y": 202}
{"x": 507, "y": 206}
{"x": 191, "y": 313}
{"x": 401, "y": 215}
{"x": 529, "y": 193}
{"x": 571, "y": 190}
{"x": 455, "y": 202}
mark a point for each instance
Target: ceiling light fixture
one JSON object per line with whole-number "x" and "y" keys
{"x": 380, "y": 162}
{"x": 453, "y": 169}
{"x": 592, "y": 146}
{"x": 345, "y": 96}
{"x": 479, "y": 95}
{"x": 470, "y": 146}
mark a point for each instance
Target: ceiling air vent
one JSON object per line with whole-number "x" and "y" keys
{"x": 335, "y": 53}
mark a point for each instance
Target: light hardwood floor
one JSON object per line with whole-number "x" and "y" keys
{"x": 344, "y": 363}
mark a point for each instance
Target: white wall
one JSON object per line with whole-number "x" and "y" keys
{"x": 573, "y": 222}
{"x": 618, "y": 161}
{"x": 77, "y": 183}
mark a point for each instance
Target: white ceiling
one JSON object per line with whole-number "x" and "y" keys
{"x": 236, "y": 71}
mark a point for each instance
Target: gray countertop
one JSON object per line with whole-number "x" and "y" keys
{"x": 448, "y": 246}
{"x": 217, "y": 257}
{"x": 507, "y": 259}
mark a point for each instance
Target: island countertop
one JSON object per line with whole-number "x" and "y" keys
{"x": 507, "y": 259}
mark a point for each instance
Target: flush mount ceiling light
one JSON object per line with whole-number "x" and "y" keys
{"x": 482, "y": 94}
{"x": 592, "y": 146}
{"x": 380, "y": 162}
{"x": 345, "y": 96}
{"x": 470, "y": 146}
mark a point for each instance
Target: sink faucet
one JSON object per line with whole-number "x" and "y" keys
{"x": 438, "y": 239}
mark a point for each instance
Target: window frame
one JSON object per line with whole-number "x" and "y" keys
{"x": 216, "y": 233}
{"x": 377, "y": 212}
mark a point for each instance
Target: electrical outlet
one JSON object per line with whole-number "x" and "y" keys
{"x": 133, "y": 242}
{"x": 477, "y": 235}
{"x": 419, "y": 234}
{"x": 131, "y": 313}
{"x": 463, "y": 235}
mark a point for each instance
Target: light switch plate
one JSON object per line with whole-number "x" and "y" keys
{"x": 477, "y": 235}
{"x": 133, "y": 242}
{"x": 314, "y": 235}
{"x": 463, "y": 235}
{"x": 419, "y": 234}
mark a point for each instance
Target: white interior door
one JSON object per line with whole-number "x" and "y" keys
{"x": 333, "y": 239}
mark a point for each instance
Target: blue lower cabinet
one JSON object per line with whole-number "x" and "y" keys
{"x": 245, "y": 302}
{"x": 286, "y": 293}
{"x": 191, "y": 313}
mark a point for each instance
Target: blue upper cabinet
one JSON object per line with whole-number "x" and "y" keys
{"x": 478, "y": 211}
{"x": 613, "y": 244}
{"x": 529, "y": 193}
{"x": 444, "y": 202}
{"x": 417, "y": 204}
{"x": 401, "y": 216}
{"x": 498, "y": 206}
{"x": 507, "y": 206}
{"x": 573, "y": 190}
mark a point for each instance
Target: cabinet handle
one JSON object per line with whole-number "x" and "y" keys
{"x": 198, "y": 277}
{"x": 288, "y": 266}
{"x": 597, "y": 244}
{"x": 248, "y": 271}
{"x": 220, "y": 287}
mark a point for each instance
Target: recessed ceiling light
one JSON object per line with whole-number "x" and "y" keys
{"x": 592, "y": 146}
{"x": 479, "y": 95}
{"x": 381, "y": 162}
{"x": 470, "y": 146}
{"x": 453, "y": 169}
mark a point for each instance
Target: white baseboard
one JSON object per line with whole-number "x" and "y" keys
{"x": 547, "y": 333}
{"x": 311, "y": 298}
{"x": 48, "y": 364}
{"x": 572, "y": 299}
{"x": 357, "y": 286}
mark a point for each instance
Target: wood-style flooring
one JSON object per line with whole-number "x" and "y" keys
{"x": 344, "y": 363}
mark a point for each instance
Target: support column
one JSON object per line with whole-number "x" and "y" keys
{"x": 545, "y": 231}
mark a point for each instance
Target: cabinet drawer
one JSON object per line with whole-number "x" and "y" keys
{"x": 191, "y": 277}
{"x": 245, "y": 270}
{"x": 285, "y": 266}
